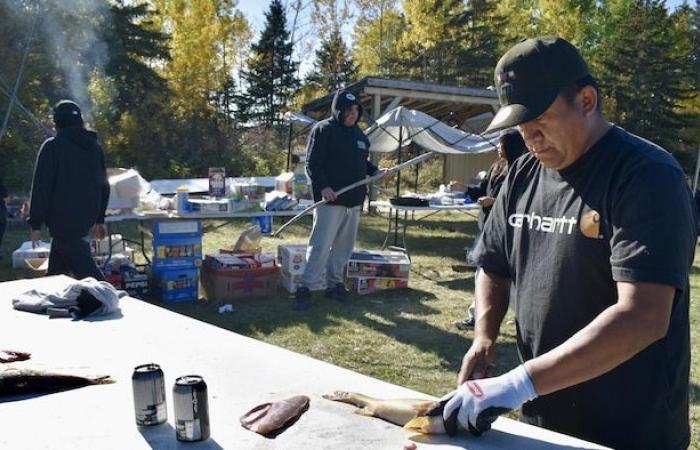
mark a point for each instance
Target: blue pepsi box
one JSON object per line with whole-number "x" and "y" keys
{"x": 264, "y": 222}
{"x": 176, "y": 286}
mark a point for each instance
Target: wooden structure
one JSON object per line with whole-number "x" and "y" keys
{"x": 468, "y": 108}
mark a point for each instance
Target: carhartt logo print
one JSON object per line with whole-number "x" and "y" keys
{"x": 361, "y": 145}
{"x": 590, "y": 224}
{"x": 533, "y": 221}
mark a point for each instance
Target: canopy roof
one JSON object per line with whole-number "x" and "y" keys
{"x": 379, "y": 96}
{"x": 414, "y": 127}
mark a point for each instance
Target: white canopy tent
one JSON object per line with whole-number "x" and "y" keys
{"x": 409, "y": 126}
{"x": 401, "y": 127}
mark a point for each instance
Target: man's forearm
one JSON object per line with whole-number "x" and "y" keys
{"x": 491, "y": 304}
{"x": 617, "y": 334}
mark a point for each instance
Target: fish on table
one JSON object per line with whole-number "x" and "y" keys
{"x": 8, "y": 356}
{"x": 25, "y": 382}
{"x": 414, "y": 415}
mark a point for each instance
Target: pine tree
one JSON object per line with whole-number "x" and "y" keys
{"x": 480, "y": 53}
{"x": 643, "y": 83}
{"x": 131, "y": 46}
{"x": 271, "y": 74}
{"x": 334, "y": 67}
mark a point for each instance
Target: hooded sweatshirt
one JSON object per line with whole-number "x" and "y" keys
{"x": 337, "y": 154}
{"x": 70, "y": 189}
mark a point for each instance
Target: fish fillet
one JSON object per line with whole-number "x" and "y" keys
{"x": 8, "y": 356}
{"x": 271, "y": 419}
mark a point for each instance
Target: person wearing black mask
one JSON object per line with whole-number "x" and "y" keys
{"x": 70, "y": 192}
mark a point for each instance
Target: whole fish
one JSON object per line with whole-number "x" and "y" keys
{"x": 26, "y": 381}
{"x": 8, "y": 356}
{"x": 415, "y": 415}
{"x": 271, "y": 419}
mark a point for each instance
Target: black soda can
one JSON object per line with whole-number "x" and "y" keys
{"x": 149, "y": 395}
{"x": 191, "y": 409}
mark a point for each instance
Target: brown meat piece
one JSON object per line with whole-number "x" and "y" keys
{"x": 271, "y": 419}
{"x": 8, "y": 356}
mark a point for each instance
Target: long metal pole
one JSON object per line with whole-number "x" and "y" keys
{"x": 395, "y": 169}
{"x": 32, "y": 117}
{"x": 398, "y": 183}
{"x": 19, "y": 78}
{"x": 289, "y": 148}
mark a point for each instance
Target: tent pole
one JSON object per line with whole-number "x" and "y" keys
{"x": 398, "y": 184}
{"x": 289, "y": 148}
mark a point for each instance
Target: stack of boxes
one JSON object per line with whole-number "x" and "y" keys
{"x": 238, "y": 276}
{"x": 295, "y": 184}
{"x": 372, "y": 271}
{"x": 177, "y": 256}
{"x": 292, "y": 262}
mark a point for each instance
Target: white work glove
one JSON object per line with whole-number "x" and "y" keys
{"x": 479, "y": 402}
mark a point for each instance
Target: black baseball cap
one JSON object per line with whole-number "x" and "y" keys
{"x": 530, "y": 75}
{"x": 67, "y": 113}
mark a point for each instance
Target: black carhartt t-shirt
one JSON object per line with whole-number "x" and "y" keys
{"x": 622, "y": 212}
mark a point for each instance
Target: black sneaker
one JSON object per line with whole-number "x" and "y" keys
{"x": 338, "y": 292}
{"x": 302, "y": 299}
{"x": 465, "y": 325}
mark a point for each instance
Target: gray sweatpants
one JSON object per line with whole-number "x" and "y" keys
{"x": 330, "y": 245}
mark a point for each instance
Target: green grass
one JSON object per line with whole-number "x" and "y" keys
{"x": 405, "y": 337}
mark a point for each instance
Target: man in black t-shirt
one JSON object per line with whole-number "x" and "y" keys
{"x": 595, "y": 230}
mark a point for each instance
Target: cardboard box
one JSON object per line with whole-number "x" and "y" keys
{"x": 209, "y": 206}
{"x": 176, "y": 286}
{"x": 177, "y": 228}
{"x": 177, "y": 252}
{"x": 25, "y": 251}
{"x": 285, "y": 182}
{"x": 292, "y": 258}
{"x": 363, "y": 286}
{"x": 290, "y": 282}
{"x": 379, "y": 264}
{"x": 237, "y": 284}
{"x": 136, "y": 283}
{"x": 101, "y": 246}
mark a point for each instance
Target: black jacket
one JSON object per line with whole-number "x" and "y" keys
{"x": 70, "y": 189}
{"x": 3, "y": 207}
{"x": 513, "y": 146}
{"x": 337, "y": 155}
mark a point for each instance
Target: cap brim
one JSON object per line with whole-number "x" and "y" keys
{"x": 515, "y": 114}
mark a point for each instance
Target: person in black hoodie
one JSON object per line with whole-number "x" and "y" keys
{"x": 337, "y": 153}
{"x": 70, "y": 192}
